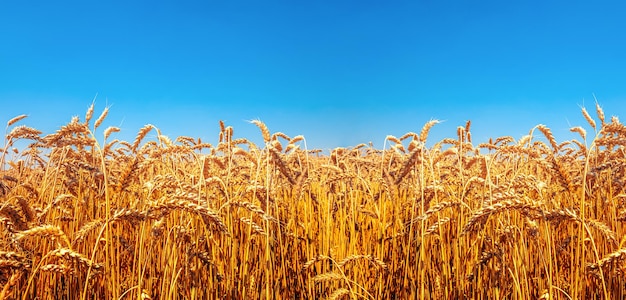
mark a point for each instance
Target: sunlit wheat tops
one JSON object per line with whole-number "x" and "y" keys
{"x": 160, "y": 217}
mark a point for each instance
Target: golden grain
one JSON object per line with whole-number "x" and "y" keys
{"x": 424, "y": 133}
{"x": 15, "y": 120}
{"x": 101, "y": 118}
{"x": 89, "y": 113}
{"x": 264, "y": 131}
{"x": 165, "y": 219}
{"x": 140, "y": 136}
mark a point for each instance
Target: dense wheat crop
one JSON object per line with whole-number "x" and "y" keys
{"x": 156, "y": 218}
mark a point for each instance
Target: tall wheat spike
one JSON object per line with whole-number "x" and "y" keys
{"x": 15, "y": 120}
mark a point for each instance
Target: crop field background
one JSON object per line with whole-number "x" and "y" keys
{"x": 86, "y": 216}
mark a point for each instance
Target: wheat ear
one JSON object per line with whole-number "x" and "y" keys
{"x": 16, "y": 119}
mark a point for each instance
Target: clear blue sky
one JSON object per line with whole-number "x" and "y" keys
{"x": 338, "y": 72}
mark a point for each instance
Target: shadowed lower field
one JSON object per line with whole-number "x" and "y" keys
{"x": 184, "y": 219}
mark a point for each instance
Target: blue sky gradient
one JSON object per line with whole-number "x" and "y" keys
{"x": 338, "y": 72}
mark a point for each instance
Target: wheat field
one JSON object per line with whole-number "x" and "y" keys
{"x": 533, "y": 218}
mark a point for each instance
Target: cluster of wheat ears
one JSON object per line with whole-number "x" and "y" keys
{"x": 184, "y": 219}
